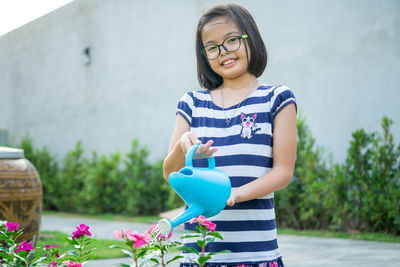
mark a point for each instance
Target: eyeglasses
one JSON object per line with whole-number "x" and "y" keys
{"x": 230, "y": 44}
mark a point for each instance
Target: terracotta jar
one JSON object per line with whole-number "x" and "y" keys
{"x": 20, "y": 192}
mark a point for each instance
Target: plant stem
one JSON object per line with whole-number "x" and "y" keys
{"x": 134, "y": 257}
{"x": 162, "y": 254}
{"x": 203, "y": 248}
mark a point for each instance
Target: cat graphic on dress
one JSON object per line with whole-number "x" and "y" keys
{"x": 248, "y": 125}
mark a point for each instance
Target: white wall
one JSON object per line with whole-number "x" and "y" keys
{"x": 341, "y": 59}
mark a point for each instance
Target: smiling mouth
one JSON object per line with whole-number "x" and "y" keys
{"x": 227, "y": 62}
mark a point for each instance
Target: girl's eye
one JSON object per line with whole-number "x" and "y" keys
{"x": 211, "y": 48}
{"x": 232, "y": 39}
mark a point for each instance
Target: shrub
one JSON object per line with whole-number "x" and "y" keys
{"x": 72, "y": 180}
{"x": 145, "y": 191}
{"x": 367, "y": 185}
{"x": 103, "y": 184}
{"x": 363, "y": 193}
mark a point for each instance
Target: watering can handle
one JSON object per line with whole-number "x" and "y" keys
{"x": 189, "y": 158}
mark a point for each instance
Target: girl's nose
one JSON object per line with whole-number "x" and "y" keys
{"x": 224, "y": 50}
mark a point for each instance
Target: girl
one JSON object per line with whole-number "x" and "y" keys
{"x": 250, "y": 129}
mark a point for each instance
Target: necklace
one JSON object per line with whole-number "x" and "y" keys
{"x": 228, "y": 119}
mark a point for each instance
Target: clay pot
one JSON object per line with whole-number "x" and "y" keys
{"x": 20, "y": 192}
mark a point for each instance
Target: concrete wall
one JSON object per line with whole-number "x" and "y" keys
{"x": 341, "y": 59}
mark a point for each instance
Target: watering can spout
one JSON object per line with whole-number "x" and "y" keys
{"x": 166, "y": 226}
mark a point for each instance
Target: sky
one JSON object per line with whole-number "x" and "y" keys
{"x": 15, "y": 13}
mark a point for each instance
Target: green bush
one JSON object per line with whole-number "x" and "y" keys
{"x": 367, "y": 185}
{"x": 101, "y": 184}
{"x": 72, "y": 180}
{"x": 145, "y": 189}
{"x": 363, "y": 193}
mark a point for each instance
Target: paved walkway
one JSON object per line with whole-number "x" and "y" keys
{"x": 297, "y": 251}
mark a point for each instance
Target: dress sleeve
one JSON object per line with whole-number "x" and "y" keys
{"x": 185, "y": 107}
{"x": 283, "y": 96}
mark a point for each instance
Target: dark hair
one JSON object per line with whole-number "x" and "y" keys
{"x": 246, "y": 24}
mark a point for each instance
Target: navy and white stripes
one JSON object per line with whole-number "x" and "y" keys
{"x": 248, "y": 228}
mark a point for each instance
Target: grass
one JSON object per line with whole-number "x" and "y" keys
{"x": 106, "y": 217}
{"x": 102, "y": 250}
{"x": 356, "y": 235}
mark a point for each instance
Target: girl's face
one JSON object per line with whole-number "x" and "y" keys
{"x": 229, "y": 65}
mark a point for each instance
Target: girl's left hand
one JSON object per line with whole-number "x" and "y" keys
{"x": 233, "y": 198}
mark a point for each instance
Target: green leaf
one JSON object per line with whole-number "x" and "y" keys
{"x": 190, "y": 236}
{"x": 116, "y": 246}
{"x": 71, "y": 241}
{"x": 155, "y": 260}
{"x": 72, "y": 253}
{"x": 203, "y": 260}
{"x": 141, "y": 252}
{"x": 201, "y": 243}
{"x": 210, "y": 239}
{"x": 174, "y": 259}
{"x": 189, "y": 249}
{"x": 216, "y": 234}
{"x": 123, "y": 265}
{"x": 128, "y": 252}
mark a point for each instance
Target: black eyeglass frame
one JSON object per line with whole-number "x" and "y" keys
{"x": 204, "y": 53}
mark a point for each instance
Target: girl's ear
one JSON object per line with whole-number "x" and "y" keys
{"x": 242, "y": 115}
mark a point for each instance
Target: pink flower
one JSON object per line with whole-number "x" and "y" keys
{"x": 25, "y": 246}
{"x": 53, "y": 264}
{"x": 119, "y": 234}
{"x": 82, "y": 230}
{"x": 199, "y": 219}
{"x": 138, "y": 239}
{"x": 211, "y": 226}
{"x": 12, "y": 226}
{"x": 50, "y": 246}
{"x": 202, "y": 220}
{"x": 273, "y": 264}
{"x": 151, "y": 229}
{"x": 72, "y": 264}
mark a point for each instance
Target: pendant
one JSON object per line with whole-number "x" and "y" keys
{"x": 228, "y": 121}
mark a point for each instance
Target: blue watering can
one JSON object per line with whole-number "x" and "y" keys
{"x": 204, "y": 190}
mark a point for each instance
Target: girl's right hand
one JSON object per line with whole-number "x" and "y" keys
{"x": 189, "y": 139}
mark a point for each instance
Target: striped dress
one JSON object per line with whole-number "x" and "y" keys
{"x": 244, "y": 154}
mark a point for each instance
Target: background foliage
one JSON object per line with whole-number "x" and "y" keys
{"x": 362, "y": 193}
{"x": 126, "y": 185}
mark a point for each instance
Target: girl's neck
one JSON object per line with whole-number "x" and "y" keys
{"x": 244, "y": 81}
{"x": 232, "y": 92}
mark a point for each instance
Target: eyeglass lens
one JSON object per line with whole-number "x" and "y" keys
{"x": 230, "y": 44}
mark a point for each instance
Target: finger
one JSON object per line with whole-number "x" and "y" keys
{"x": 211, "y": 151}
{"x": 193, "y": 139}
{"x": 209, "y": 144}
{"x": 230, "y": 202}
{"x": 203, "y": 149}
